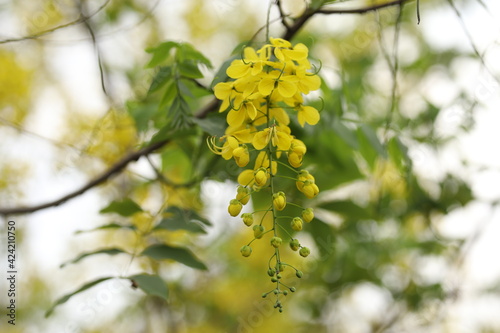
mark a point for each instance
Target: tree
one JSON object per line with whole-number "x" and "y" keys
{"x": 332, "y": 174}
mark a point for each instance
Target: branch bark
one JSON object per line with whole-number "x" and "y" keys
{"x": 291, "y": 31}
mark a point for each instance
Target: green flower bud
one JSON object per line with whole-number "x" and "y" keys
{"x": 304, "y": 252}
{"x": 299, "y": 274}
{"x": 273, "y": 279}
{"x": 246, "y": 251}
{"x": 293, "y": 289}
{"x": 280, "y": 310}
{"x": 264, "y": 295}
{"x": 281, "y": 267}
{"x": 308, "y": 215}
{"x": 271, "y": 272}
{"x": 247, "y": 218}
{"x": 296, "y": 224}
{"x": 276, "y": 241}
{"x": 285, "y": 292}
{"x": 258, "y": 231}
{"x": 294, "y": 244}
{"x": 279, "y": 200}
{"x": 279, "y": 276}
{"x": 275, "y": 291}
{"x": 234, "y": 207}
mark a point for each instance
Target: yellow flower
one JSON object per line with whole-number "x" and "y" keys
{"x": 307, "y": 82}
{"x": 234, "y": 207}
{"x": 246, "y": 178}
{"x": 285, "y": 85}
{"x": 307, "y": 114}
{"x": 252, "y": 64}
{"x": 276, "y": 134}
{"x": 279, "y": 200}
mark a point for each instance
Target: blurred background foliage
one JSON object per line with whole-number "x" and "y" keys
{"x": 376, "y": 230}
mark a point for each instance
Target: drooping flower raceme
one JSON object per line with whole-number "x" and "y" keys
{"x": 266, "y": 87}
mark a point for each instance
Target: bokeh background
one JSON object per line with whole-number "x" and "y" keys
{"x": 405, "y": 238}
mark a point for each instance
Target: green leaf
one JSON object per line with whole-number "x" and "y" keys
{"x": 186, "y": 51}
{"x": 111, "y": 251}
{"x": 107, "y": 227}
{"x": 66, "y": 297}
{"x": 184, "y": 256}
{"x": 160, "y": 78}
{"x": 190, "y": 69}
{"x": 398, "y": 153}
{"x": 150, "y": 284}
{"x": 142, "y": 114}
{"x": 160, "y": 53}
{"x": 221, "y": 75}
{"x": 125, "y": 207}
{"x": 345, "y": 134}
{"x": 169, "y": 94}
{"x": 347, "y": 209}
{"x": 373, "y": 140}
{"x": 213, "y": 124}
{"x": 180, "y": 219}
{"x": 370, "y": 147}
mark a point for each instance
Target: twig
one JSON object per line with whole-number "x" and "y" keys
{"x": 282, "y": 14}
{"x": 79, "y": 20}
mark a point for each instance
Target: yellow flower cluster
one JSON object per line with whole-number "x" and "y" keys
{"x": 266, "y": 83}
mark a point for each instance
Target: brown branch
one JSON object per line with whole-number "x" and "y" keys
{"x": 80, "y": 19}
{"x": 363, "y": 10}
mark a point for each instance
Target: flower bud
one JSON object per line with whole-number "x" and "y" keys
{"x": 243, "y": 194}
{"x": 246, "y": 251}
{"x": 285, "y": 292}
{"x": 258, "y": 231}
{"x": 247, "y": 218}
{"x": 234, "y": 207}
{"x": 241, "y": 155}
{"x": 310, "y": 189}
{"x": 293, "y": 289}
{"x": 273, "y": 279}
{"x": 281, "y": 267}
{"x": 308, "y": 215}
{"x": 299, "y": 274}
{"x": 294, "y": 244}
{"x": 304, "y": 252}
{"x": 271, "y": 272}
{"x": 260, "y": 177}
{"x": 276, "y": 241}
{"x": 279, "y": 200}
{"x": 296, "y": 224}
